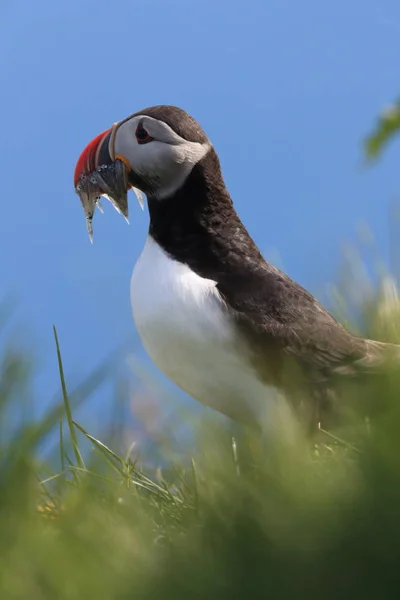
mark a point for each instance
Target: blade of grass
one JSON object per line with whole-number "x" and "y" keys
{"x": 105, "y": 449}
{"x": 68, "y": 412}
{"x": 62, "y": 451}
{"x": 339, "y": 440}
{"x": 235, "y": 456}
{"x": 111, "y": 464}
{"x": 46, "y": 492}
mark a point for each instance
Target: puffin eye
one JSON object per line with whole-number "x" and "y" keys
{"x": 142, "y": 135}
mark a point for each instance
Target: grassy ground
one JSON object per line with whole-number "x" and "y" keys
{"x": 231, "y": 520}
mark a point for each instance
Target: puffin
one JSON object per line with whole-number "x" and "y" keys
{"x": 221, "y": 322}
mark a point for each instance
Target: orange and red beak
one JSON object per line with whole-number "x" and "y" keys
{"x": 99, "y": 172}
{"x": 89, "y": 158}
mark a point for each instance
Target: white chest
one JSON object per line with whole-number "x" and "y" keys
{"x": 185, "y": 329}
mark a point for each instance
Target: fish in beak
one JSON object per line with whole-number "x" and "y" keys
{"x": 99, "y": 172}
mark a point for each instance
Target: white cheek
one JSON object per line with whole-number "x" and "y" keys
{"x": 166, "y": 164}
{"x": 170, "y": 165}
{"x": 154, "y": 159}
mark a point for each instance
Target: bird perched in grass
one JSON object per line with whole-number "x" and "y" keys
{"x": 215, "y": 317}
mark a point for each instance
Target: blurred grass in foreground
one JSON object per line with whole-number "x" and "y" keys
{"x": 231, "y": 520}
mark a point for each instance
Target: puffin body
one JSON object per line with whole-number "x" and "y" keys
{"x": 221, "y": 322}
{"x": 186, "y": 329}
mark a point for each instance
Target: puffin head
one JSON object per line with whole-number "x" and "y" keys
{"x": 152, "y": 151}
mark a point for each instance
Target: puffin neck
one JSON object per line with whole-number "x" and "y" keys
{"x": 199, "y": 226}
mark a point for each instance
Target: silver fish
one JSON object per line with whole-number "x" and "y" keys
{"x": 110, "y": 181}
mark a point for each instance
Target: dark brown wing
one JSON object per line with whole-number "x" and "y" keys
{"x": 278, "y": 316}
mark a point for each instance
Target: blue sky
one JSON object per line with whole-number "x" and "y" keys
{"x": 285, "y": 90}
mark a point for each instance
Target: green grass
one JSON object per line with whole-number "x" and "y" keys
{"x": 234, "y": 518}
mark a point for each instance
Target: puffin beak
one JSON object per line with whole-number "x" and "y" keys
{"x": 99, "y": 172}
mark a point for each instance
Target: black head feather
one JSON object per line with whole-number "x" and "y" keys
{"x": 178, "y": 119}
